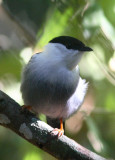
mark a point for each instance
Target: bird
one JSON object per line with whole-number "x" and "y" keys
{"x": 51, "y": 82}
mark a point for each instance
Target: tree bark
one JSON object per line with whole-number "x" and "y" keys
{"x": 29, "y": 127}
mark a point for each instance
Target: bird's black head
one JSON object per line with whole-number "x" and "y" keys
{"x": 71, "y": 43}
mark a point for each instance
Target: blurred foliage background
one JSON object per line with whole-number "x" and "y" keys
{"x": 25, "y": 27}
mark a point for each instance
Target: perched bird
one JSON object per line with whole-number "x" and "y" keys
{"x": 51, "y": 83}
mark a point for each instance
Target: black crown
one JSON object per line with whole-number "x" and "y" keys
{"x": 71, "y": 43}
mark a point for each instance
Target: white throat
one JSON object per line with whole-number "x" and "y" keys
{"x": 60, "y": 55}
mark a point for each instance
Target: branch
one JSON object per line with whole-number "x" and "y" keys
{"x": 29, "y": 127}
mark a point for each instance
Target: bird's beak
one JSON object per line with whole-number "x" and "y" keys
{"x": 87, "y": 48}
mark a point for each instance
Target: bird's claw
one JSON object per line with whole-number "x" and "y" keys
{"x": 26, "y": 107}
{"x": 57, "y": 132}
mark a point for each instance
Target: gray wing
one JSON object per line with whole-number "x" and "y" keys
{"x": 37, "y": 90}
{"x": 27, "y": 81}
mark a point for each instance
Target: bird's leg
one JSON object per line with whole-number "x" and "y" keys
{"x": 60, "y": 131}
{"x": 61, "y": 125}
{"x": 27, "y": 107}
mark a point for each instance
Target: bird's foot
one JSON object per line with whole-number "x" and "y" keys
{"x": 26, "y": 107}
{"x": 57, "y": 132}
